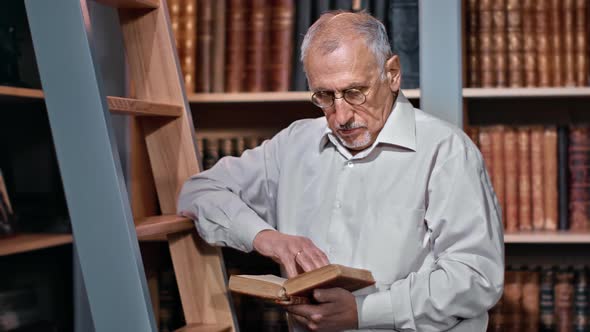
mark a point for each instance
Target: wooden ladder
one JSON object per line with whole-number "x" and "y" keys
{"x": 161, "y": 111}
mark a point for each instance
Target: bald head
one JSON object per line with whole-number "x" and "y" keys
{"x": 334, "y": 29}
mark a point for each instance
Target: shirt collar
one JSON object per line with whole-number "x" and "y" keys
{"x": 399, "y": 128}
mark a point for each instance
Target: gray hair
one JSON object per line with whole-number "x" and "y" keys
{"x": 335, "y": 26}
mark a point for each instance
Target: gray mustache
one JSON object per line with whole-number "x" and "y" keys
{"x": 353, "y": 125}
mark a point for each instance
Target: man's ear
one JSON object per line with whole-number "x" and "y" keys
{"x": 394, "y": 73}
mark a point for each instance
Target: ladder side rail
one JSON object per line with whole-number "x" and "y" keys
{"x": 98, "y": 204}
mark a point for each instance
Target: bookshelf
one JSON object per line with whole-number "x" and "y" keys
{"x": 15, "y": 93}
{"x": 22, "y": 243}
{"x": 472, "y": 93}
{"x": 546, "y": 237}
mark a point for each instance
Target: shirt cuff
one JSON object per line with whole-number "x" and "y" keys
{"x": 246, "y": 227}
{"x": 375, "y": 311}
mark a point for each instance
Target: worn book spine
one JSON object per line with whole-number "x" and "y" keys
{"x": 281, "y": 46}
{"x": 529, "y": 43}
{"x": 511, "y": 170}
{"x": 211, "y": 155}
{"x": 542, "y": 19}
{"x": 513, "y": 284}
{"x": 524, "y": 183}
{"x": 303, "y": 14}
{"x": 174, "y": 12}
{"x": 556, "y": 34}
{"x": 499, "y": 42}
{"x": 473, "y": 78}
{"x": 225, "y": 147}
{"x": 405, "y": 35}
{"x": 550, "y": 188}
{"x": 569, "y": 37}
{"x": 564, "y": 300}
{"x": 581, "y": 43}
{"x": 581, "y": 300}
{"x": 496, "y": 317}
{"x": 498, "y": 177}
{"x": 515, "y": 43}
{"x": 258, "y": 46}
{"x": 218, "y": 49}
{"x": 547, "y": 300}
{"x": 486, "y": 48}
{"x": 537, "y": 183}
{"x": 531, "y": 300}
{"x": 187, "y": 38}
{"x": 579, "y": 162}
{"x": 562, "y": 177}
{"x": 485, "y": 146}
{"x": 204, "y": 45}
{"x": 236, "y": 46}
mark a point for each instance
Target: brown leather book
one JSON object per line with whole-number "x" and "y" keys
{"x": 258, "y": 46}
{"x": 556, "y": 33}
{"x": 218, "y": 49}
{"x": 513, "y": 283}
{"x": 300, "y": 288}
{"x": 496, "y": 314}
{"x": 581, "y": 43}
{"x": 569, "y": 36}
{"x": 511, "y": 170}
{"x": 542, "y": 19}
{"x": 500, "y": 43}
{"x": 529, "y": 43}
{"x": 174, "y": 12}
{"x": 531, "y": 300}
{"x": 473, "y": 77}
{"x": 524, "y": 178}
{"x": 281, "y": 46}
{"x": 550, "y": 189}
{"x": 537, "y": 188}
{"x": 204, "y": 45}
{"x": 235, "y": 46}
{"x": 486, "y": 62}
{"x": 498, "y": 174}
{"x": 514, "y": 15}
{"x": 579, "y": 183}
{"x": 187, "y": 40}
{"x": 564, "y": 300}
{"x": 485, "y": 146}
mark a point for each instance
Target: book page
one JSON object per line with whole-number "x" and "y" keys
{"x": 266, "y": 277}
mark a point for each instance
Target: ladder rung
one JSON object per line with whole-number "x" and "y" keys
{"x": 204, "y": 328}
{"x": 131, "y": 3}
{"x": 138, "y": 107}
{"x": 151, "y": 227}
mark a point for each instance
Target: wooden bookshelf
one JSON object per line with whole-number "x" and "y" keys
{"x": 10, "y": 92}
{"x": 28, "y": 242}
{"x": 526, "y": 92}
{"x": 548, "y": 237}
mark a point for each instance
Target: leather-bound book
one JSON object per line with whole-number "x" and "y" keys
{"x": 581, "y": 43}
{"x": 211, "y": 154}
{"x": 511, "y": 170}
{"x": 239, "y": 145}
{"x": 531, "y": 300}
{"x": 486, "y": 47}
{"x": 513, "y": 283}
{"x": 498, "y": 174}
{"x": 204, "y": 45}
{"x": 581, "y": 300}
{"x": 473, "y": 133}
{"x": 524, "y": 178}
{"x": 564, "y": 300}
{"x": 473, "y": 71}
{"x": 404, "y": 31}
{"x": 556, "y": 34}
{"x": 187, "y": 40}
{"x": 529, "y": 43}
{"x": 542, "y": 19}
{"x": 550, "y": 189}
{"x": 547, "y": 299}
{"x": 236, "y": 46}
{"x": 258, "y": 46}
{"x": 500, "y": 42}
{"x": 537, "y": 188}
{"x": 281, "y": 46}
{"x": 579, "y": 183}
{"x": 218, "y": 49}
{"x": 303, "y": 14}
{"x": 562, "y": 176}
{"x": 485, "y": 146}
{"x": 569, "y": 36}
{"x": 174, "y": 12}
{"x": 515, "y": 38}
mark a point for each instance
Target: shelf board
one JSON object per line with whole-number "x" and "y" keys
{"x": 526, "y": 92}
{"x": 547, "y": 237}
{"x": 11, "y": 92}
{"x": 28, "y": 242}
{"x": 263, "y": 97}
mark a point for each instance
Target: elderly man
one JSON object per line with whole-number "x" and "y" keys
{"x": 375, "y": 184}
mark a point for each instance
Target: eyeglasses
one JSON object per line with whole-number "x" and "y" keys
{"x": 325, "y": 99}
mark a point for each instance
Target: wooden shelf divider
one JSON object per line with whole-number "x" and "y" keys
{"x": 526, "y": 92}
{"x": 28, "y": 242}
{"x": 159, "y": 226}
{"x": 137, "y": 107}
{"x": 23, "y": 93}
{"x": 547, "y": 237}
{"x": 131, "y": 3}
{"x": 204, "y": 328}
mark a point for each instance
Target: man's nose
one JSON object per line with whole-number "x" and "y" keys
{"x": 343, "y": 111}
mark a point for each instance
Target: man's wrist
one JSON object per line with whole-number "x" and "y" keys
{"x": 375, "y": 311}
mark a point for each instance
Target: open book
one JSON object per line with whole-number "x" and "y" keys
{"x": 299, "y": 289}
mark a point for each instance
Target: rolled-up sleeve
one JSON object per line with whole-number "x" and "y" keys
{"x": 467, "y": 275}
{"x": 235, "y": 199}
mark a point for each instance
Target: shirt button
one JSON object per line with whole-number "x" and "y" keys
{"x": 337, "y": 204}
{"x": 350, "y": 164}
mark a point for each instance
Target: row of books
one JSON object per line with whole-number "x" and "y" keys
{"x": 543, "y": 299}
{"x": 539, "y": 174}
{"x": 253, "y": 46}
{"x": 214, "y": 149}
{"x": 530, "y": 43}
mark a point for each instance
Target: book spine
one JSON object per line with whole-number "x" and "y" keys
{"x": 579, "y": 162}
{"x": 500, "y": 42}
{"x": 547, "y": 300}
{"x": 218, "y": 51}
{"x": 512, "y": 300}
{"x": 236, "y": 46}
{"x": 515, "y": 43}
{"x": 581, "y": 43}
{"x": 498, "y": 177}
{"x": 524, "y": 176}
{"x": 529, "y": 43}
{"x": 550, "y": 188}
{"x": 473, "y": 79}
{"x": 258, "y": 45}
{"x": 564, "y": 300}
{"x": 581, "y": 302}
{"x": 485, "y": 146}
{"x": 281, "y": 46}
{"x": 569, "y": 37}
{"x": 531, "y": 300}
{"x": 204, "y": 46}
{"x": 405, "y": 35}
{"x": 485, "y": 44}
{"x": 537, "y": 185}
{"x": 511, "y": 170}
{"x": 563, "y": 178}
{"x": 542, "y": 42}
{"x": 187, "y": 38}
{"x": 556, "y": 33}
{"x": 378, "y": 9}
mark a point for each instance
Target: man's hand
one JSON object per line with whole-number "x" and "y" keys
{"x": 336, "y": 311}
{"x": 290, "y": 251}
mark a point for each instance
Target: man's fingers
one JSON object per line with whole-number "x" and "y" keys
{"x": 290, "y": 267}
{"x": 305, "y": 322}
{"x": 328, "y": 295}
{"x": 305, "y": 261}
{"x": 305, "y": 310}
